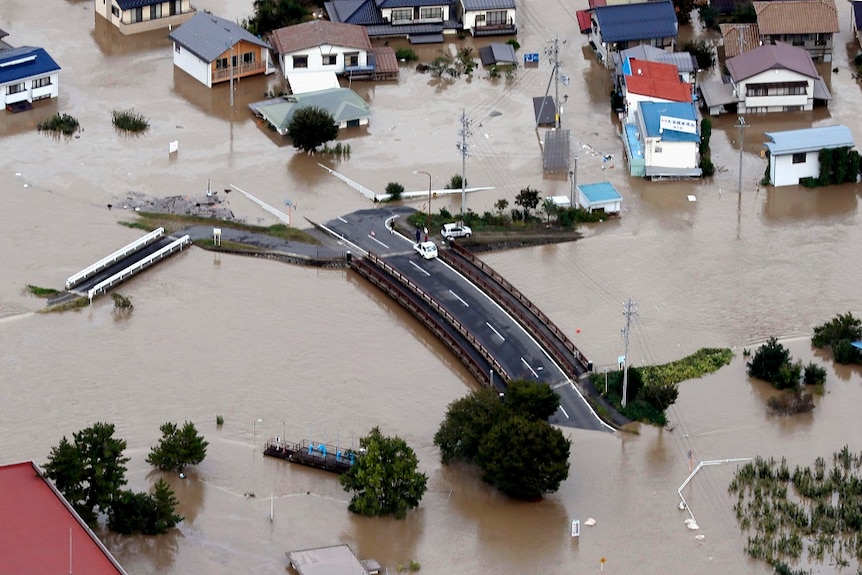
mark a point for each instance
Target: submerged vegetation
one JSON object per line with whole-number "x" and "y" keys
{"x": 805, "y": 515}
{"x": 41, "y": 292}
{"x": 60, "y": 123}
{"x": 129, "y": 121}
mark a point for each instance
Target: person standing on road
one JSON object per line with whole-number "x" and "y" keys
{"x": 417, "y": 235}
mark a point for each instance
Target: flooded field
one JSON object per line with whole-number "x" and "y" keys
{"x": 324, "y": 354}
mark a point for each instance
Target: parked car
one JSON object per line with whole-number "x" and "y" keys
{"x": 427, "y": 250}
{"x": 451, "y": 231}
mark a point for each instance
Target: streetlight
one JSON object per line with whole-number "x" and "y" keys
{"x": 428, "y": 227}
{"x": 254, "y": 432}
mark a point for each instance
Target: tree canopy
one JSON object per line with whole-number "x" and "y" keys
{"x": 150, "y": 514}
{"x": 178, "y": 447}
{"x": 384, "y": 477}
{"x": 310, "y": 127}
{"x": 838, "y": 333}
{"x": 528, "y": 199}
{"x": 531, "y": 399}
{"x": 271, "y": 15}
{"x": 768, "y": 361}
{"x": 90, "y": 471}
{"x": 467, "y": 422}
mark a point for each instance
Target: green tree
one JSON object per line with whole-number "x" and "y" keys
{"x": 178, "y": 447}
{"x": 384, "y": 477}
{"x": 90, "y": 471}
{"x": 270, "y": 15}
{"x": 394, "y": 189}
{"x": 150, "y": 514}
{"x": 523, "y": 458}
{"x": 550, "y": 208}
{"x": 501, "y": 205}
{"x": 683, "y": 10}
{"x": 702, "y": 52}
{"x": 528, "y": 199}
{"x": 310, "y": 127}
{"x": 768, "y": 360}
{"x": 660, "y": 395}
{"x": 844, "y": 352}
{"x": 842, "y": 326}
{"x": 814, "y": 374}
{"x": 467, "y": 421}
{"x": 531, "y": 399}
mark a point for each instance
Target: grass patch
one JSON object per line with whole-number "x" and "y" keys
{"x": 41, "y": 292}
{"x": 176, "y": 222}
{"x": 60, "y": 123}
{"x": 698, "y": 364}
{"x": 129, "y": 121}
{"x": 75, "y": 305}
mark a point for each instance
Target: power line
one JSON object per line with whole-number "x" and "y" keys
{"x": 465, "y": 132}
{"x": 630, "y": 311}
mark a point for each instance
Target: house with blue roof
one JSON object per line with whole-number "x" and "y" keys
{"x": 212, "y": 50}
{"x": 621, "y": 26}
{"x": 27, "y": 74}
{"x": 599, "y": 197}
{"x": 795, "y": 154}
{"x": 668, "y": 135}
{"x": 487, "y": 17}
{"x": 135, "y": 16}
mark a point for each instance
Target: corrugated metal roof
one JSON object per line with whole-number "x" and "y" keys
{"x": 384, "y": 60}
{"x": 651, "y": 113}
{"x": 797, "y": 17}
{"x": 771, "y": 57}
{"x": 584, "y": 22}
{"x": 556, "y": 151}
{"x": 31, "y": 62}
{"x": 473, "y": 5}
{"x": 717, "y": 93}
{"x": 809, "y": 139}
{"x": 208, "y": 36}
{"x": 497, "y": 53}
{"x": 343, "y": 104}
{"x": 739, "y": 38}
{"x": 318, "y": 33}
{"x": 600, "y": 192}
{"x": 409, "y": 3}
{"x": 642, "y": 21}
{"x": 684, "y": 61}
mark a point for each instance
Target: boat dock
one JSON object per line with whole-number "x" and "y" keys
{"x": 319, "y": 455}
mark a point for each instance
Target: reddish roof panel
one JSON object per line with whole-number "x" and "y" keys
{"x": 584, "y": 23}
{"x": 38, "y": 526}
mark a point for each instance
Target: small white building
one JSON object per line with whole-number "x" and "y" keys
{"x": 599, "y": 197}
{"x": 669, "y": 135}
{"x": 27, "y": 74}
{"x": 795, "y": 154}
{"x": 488, "y": 17}
{"x": 322, "y": 46}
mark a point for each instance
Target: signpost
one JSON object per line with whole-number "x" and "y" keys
{"x": 576, "y": 528}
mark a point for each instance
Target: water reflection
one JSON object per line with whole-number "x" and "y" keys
{"x": 112, "y": 42}
{"x": 158, "y": 553}
{"x": 398, "y": 538}
{"x": 798, "y": 203}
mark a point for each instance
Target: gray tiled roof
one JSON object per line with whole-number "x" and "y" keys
{"x": 361, "y": 12}
{"x": 207, "y": 36}
{"x": 472, "y": 5}
{"x": 129, "y": 4}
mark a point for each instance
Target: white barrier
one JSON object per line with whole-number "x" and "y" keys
{"x": 137, "y": 266}
{"x": 277, "y": 213}
{"x": 114, "y": 257}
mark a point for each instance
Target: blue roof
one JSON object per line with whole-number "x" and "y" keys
{"x": 208, "y": 37}
{"x": 129, "y": 4}
{"x": 857, "y": 15}
{"x": 30, "y": 62}
{"x": 856, "y": 344}
{"x": 359, "y": 12}
{"x": 641, "y": 21}
{"x": 651, "y": 113}
{"x": 809, "y": 139}
{"x": 600, "y": 192}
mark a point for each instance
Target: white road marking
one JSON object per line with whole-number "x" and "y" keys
{"x": 498, "y": 334}
{"x": 378, "y": 241}
{"x": 460, "y": 299}
{"x": 564, "y": 412}
{"x": 533, "y": 371}
{"x": 419, "y": 268}
{"x": 342, "y": 219}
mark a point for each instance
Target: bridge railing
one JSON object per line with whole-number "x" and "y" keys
{"x": 383, "y": 275}
{"x": 471, "y": 270}
{"x": 124, "y": 274}
{"x": 114, "y": 258}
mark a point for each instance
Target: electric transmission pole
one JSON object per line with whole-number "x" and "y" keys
{"x": 630, "y": 311}
{"x": 741, "y": 125}
{"x": 553, "y": 54}
{"x": 465, "y": 132}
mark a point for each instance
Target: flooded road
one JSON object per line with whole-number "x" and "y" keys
{"x": 323, "y": 354}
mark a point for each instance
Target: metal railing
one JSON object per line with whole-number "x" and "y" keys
{"x": 114, "y": 257}
{"x": 140, "y": 265}
{"x": 238, "y": 71}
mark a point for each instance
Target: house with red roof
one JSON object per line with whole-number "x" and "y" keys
{"x": 41, "y": 532}
{"x": 645, "y": 81}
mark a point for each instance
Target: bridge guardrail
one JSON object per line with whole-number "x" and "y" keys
{"x": 456, "y": 259}
{"x": 114, "y": 257}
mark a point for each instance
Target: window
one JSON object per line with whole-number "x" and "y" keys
{"x": 15, "y": 89}
{"x": 402, "y": 14}
{"x": 42, "y": 82}
{"x": 176, "y": 8}
{"x": 300, "y": 61}
{"x": 431, "y": 13}
{"x": 177, "y": 47}
{"x": 115, "y": 11}
{"x": 330, "y": 59}
{"x": 777, "y": 89}
{"x": 496, "y": 17}
{"x": 137, "y": 15}
{"x": 155, "y": 11}
{"x": 248, "y": 58}
{"x": 799, "y": 158}
{"x": 351, "y": 58}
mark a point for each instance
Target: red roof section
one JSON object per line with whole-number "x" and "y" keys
{"x": 38, "y": 524}
{"x": 657, "y": 80}
{"x": 595, "y": 3}
{"x": 584, "y": 23}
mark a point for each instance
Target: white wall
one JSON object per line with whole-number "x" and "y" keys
{"x": 193, "y": 66}
{"x": 672, "y": 154}
{"x": 776, "y": 102}
{"x": 469, "y": 18}
{"x": 610, "y": 206}
{"x": 30, "y": 94}
{"x": 315, "y": 59}
{"x": 783, "y": 172}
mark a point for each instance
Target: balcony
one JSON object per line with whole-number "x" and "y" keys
{"x": 498, "y": 29}
{"x": 239, "y": 71}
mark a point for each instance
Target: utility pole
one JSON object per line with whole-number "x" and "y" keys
{"x": 574, "y": 175}
{"x": 630, "y": 311}
{"x": 553, "y": 54}
{"x": 465, "y": 132}
{"x": 741, "y": 125}
{"x": 231, "y": 74}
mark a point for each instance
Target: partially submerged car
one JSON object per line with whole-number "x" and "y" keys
{"x": 427, "y": 250}
{"x": 452, "y": 231}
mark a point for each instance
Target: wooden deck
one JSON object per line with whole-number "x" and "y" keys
{"x": 327, "y": 457}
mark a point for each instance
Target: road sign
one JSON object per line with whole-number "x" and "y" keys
{"x": 531, "y": 58}
{"x": 576, "y": 528}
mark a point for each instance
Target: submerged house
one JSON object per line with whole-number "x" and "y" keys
{"x": 809, "y": 24}
{"x": 134, "y": 16}
{"x": 795, "y": 154}
{"x": 27, "y": 74}
{"x": 621, "y": 26}
{"x": 346, "y": 107}
{"x": 664, "y": 141}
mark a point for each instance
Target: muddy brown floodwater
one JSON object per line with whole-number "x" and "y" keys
{"x": 293, "y": 352}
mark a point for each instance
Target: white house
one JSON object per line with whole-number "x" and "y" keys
{"x": 322, "y": 46}
{"x": 670, "y": 138}
{"x": 488, "y": 17}
{"x": 213, "y": 50}
{"x": 645, "y": 81}
{"x": 622, "y": 26}
{"x": 599, "y": 197}
{"x": 133, "y": 16}
{"x": 27, "y": 74}
{"x": 795, "y": 154}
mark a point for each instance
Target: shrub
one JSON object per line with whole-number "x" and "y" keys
{"x": 394, "y": 189}
{"x": 513, "y": 43}
{"x": 62, "y": 123}
{"x": 702, "y": 52}
{"x": 845, "y": 353}
{"x": 791, "y": 403}
{"x": 121, "y": 302}
{"x": 814, "y": 374}
{"x": 219, "y": 420}
{"x": 406, "y": 55}
{"x": 767, "y": 360}
{"x": 707, "y": 167}
{"x": 842, "y": 326}
{"x": 129, "y": 121}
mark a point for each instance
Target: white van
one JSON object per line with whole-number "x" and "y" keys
{"x": 427, "y": 250}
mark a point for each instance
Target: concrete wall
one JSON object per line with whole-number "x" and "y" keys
{"x": 315, "y": 59}
{"x": 658, "y": 153}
